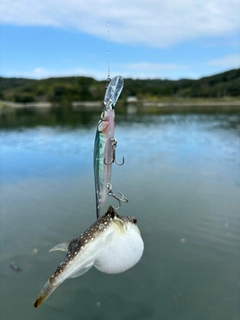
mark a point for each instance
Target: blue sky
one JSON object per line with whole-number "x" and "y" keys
{"x": 147, "y": 38}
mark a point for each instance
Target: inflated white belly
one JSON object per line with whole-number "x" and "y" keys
{"x": 121, "y": 254}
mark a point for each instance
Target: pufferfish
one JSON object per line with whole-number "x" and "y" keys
{"x": 113, "y": 244}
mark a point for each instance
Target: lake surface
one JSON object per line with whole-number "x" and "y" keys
{"x": 182, "y": 178}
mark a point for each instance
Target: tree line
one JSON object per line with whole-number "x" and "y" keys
{"x": 68, "y": 89}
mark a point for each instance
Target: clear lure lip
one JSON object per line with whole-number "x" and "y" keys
{"x": 113, "y": 91}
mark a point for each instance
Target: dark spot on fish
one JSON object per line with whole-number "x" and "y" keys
{"x": 134, "y": 220}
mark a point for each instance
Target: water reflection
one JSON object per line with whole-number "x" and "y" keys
{"x": 61, "y": 116}
{"x": 66, "y": 116}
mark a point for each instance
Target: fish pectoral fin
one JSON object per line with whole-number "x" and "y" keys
{"x": 82, "y": 271}
{"x": 61, "y": 246}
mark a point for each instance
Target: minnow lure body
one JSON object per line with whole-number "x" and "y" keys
{"x": 113, "y": 244}
{"x": 105, "y": 144}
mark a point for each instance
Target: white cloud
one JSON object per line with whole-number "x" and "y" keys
{"x": 157, "y": 23}
{"x": 43, "y": 73}
{"x": 133, "y": 70}
{"x": 37, "y": 73}
{"x": 228, "y": 62}
{"x": 146, "y": 66}
{"x": 152, "y": 70}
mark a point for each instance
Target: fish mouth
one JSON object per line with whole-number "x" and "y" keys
{"x": 126, "y": 223}
{"x": 122, "y": 222}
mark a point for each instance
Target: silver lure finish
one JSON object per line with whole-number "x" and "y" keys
{"x": 113, "y": 244}
{"x": 105, "y": 144}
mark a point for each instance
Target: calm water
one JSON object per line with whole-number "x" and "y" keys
{"x": 182, "y": 178}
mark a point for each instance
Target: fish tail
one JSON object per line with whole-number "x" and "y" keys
{"x": 46, "y": 291}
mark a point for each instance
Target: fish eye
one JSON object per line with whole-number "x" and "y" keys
{"x": 134, "y": 220}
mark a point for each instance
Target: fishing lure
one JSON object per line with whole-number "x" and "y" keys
{"x": 105, "y": 147}
{"x": 113, "y": 244}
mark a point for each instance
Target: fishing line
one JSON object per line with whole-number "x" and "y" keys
{"x": 108, "y": 39}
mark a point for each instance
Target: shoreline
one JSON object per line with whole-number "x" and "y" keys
{"x": 92, "y": 105}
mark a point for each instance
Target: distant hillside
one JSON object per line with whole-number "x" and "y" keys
{"x": 68, "y": 89}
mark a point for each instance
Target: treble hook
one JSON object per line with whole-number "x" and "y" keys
{"x": 110, "y": 193}
{"x": 114, "y": 146}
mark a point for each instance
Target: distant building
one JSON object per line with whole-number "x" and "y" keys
{"x": 132, "y": 99}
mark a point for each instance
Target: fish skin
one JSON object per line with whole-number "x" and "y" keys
{"x": 112, "y": 244}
